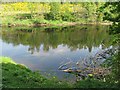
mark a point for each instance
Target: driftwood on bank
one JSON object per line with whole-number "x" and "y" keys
{"x": 90, "y": 65}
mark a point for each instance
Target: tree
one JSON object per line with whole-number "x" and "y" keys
{"x": 31, "y": 7}
{"x": 91, "y": 11}
{"x": 112, "y": 13}
{"x": 54, "y": 11}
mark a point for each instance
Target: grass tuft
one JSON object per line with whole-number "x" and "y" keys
{"x": 6, "y": 60}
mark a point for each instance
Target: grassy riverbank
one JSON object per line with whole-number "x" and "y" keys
{"x": 11, "y": 21}
{"x": 18, "y": 76}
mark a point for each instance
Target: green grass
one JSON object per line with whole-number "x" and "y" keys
{"x": 6, "y": 60}
{"x": 18, "y": 76}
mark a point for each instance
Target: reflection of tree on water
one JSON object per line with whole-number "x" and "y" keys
{"x": 73, "y": 37}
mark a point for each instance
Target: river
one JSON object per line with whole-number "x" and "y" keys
{"x": 45, "y": 48}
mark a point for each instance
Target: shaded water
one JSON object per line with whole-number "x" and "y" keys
{"x": 45, "y": 49}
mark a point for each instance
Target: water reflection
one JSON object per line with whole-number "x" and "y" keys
{"x": 73, "y": 37}
{"x": 46, "y": 48}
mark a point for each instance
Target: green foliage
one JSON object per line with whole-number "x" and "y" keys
{"x": 67, "y": 17}
{"x": 82, "y": 12}
{"x": 114, "y": 64}
{"x": 31, "y": 7}
{"x": 92, "y": 83}
{"x": 112, "y": 13}
{"x": 54, "y": 11}
{"x": 23, "y": 16}
{"x": 91, "y": 11}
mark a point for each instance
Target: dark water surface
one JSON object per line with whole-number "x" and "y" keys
{"x": 45, "y": 49}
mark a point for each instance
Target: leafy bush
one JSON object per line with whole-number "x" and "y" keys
{"x": 67, "y": 17}
{"x": 54, "y": 12}
{"x": 23, "y": 16}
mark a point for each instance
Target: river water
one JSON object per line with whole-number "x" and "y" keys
{"x": 45, "y": 48}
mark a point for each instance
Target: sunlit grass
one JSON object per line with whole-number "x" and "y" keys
{"x": 6, "y": 60}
